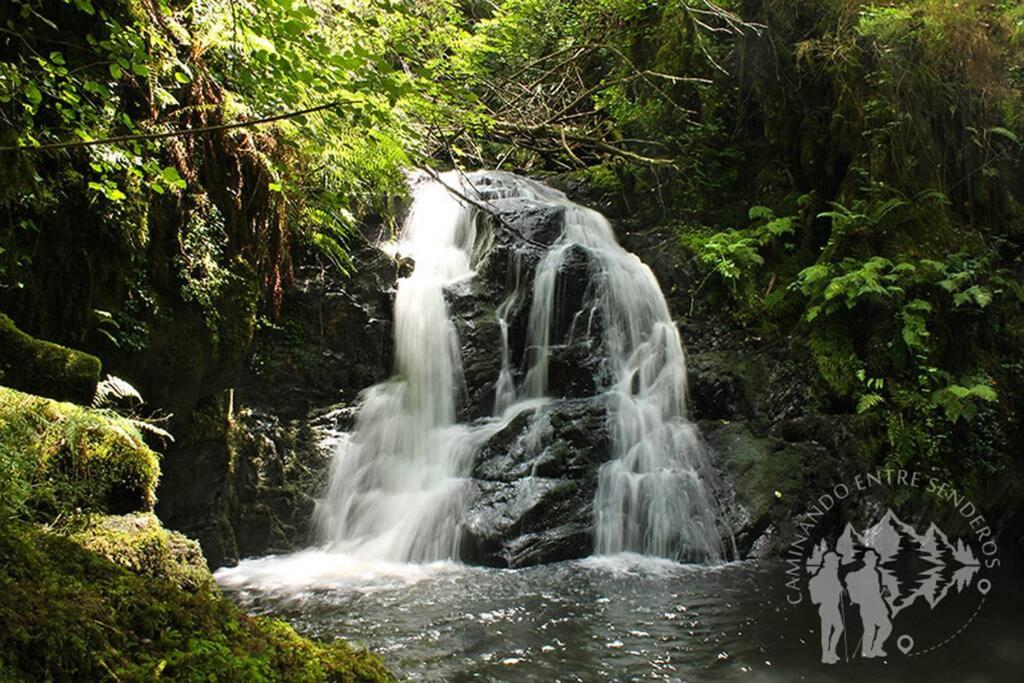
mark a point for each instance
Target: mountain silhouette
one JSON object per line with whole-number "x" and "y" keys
{"x": 912, "y": 565}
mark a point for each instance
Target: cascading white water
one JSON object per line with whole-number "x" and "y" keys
{"x": 397, "y": 493}
{"x": 653, "y": 495}
{"x": 394, "y": 492}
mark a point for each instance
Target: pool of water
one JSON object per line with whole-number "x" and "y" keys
{"x": 618, "y": 618}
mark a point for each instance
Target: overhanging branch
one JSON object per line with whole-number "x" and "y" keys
{"x": 169, "y": 134}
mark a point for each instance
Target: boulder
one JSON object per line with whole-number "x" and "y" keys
{"x": 533, "y": 486}
{"x": 61, "y": 457}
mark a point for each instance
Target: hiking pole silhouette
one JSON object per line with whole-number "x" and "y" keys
{"x": 842, "y": 616}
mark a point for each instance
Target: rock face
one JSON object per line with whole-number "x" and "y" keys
{"x": 245, "y": 481}
{"x": 533, "y": 486}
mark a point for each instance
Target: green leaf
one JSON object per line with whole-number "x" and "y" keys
{"x": 984, "y": 392}
{"x": 171, "y": 176}
{"x": 982, "y": 296}
{"x": 1003, "y": 132}
{"x": 919, "y": 305}
{"x": 958, "y": 391}
{"x": 116, "y": 72}
{"x": 869, "y": 401}
{"x": 33, "y": 94}
{"x": 813, "y": 274}
{"x": 293, "y": 27}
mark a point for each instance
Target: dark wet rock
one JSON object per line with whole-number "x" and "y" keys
{"x": 511, "y": 248}
{"x": 506, "y": 456}
{"x": 479, "y": 335}
{"x": 251, "y": 482}
{"x": 332, "y": 341}
{"x": 515, "y": 238}
{"x": 574, "y": 370}
{"x": 572, "y": 295}
{"x": 534, "y": 484}
{"x": 527, "y": 223}
{"x": 527, "y": 522}
{"x": 717, "y": 390}
{"x": 757, "y": 379}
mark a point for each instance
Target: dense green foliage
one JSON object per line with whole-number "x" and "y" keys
{"x": 190, "y": 226}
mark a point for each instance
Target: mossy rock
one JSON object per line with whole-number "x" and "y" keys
{"x": 60, "y": 457}
{"x": 139, "y": 542}
{"x": 762, "y": 469}
{"x": 41, "y": 367}
{"x": 70, "y": 614}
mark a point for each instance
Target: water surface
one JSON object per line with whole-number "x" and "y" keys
{"x": 617, "y": 618}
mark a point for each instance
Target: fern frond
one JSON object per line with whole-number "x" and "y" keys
{"x": 869, "y": 401}
{"x": 114, "y": 391}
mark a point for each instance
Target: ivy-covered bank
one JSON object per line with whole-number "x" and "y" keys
{"x": 92, "y": 587}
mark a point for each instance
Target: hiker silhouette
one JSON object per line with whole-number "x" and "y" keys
{"x": 827, "y": 592}
{"x": 865, "y": 589}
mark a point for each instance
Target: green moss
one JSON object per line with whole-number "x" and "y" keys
{"x": 138, "y": 542}
{"x": 209, "y": 421}
{"x": 61, "y": 457}
{"x": 120, "y": 598}
{"x": 761, "y": 469}
{"x": 72, "y": 614}
{"x": 835, "y": 356}
{"x": 44, "y": 368}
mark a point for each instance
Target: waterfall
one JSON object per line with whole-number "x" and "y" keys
{"x": 394, "y": 491}
{"x": 397, "y": 491}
